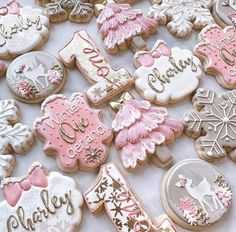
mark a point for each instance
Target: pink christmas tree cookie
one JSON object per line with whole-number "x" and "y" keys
{"x": 121, "y": 27}
{"x": 217, "y": 50}
{"x": 144, "y": 130}
{"x": 73, "y": 132}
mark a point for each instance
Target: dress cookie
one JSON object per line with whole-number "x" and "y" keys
{"x": 22, "y": 29}
{"x": 213, "y": 123}
{"x": 195, "y": 200}
{"x": 112, "y": 192}
{"x": 14, "y": 137}
{"x": 72, "y": 131}
{"x": 166, "y": 75}
{"x": 142, "y": 131}
{"x": 34, "y": 76}
{"x": 181, "y": 16}
{"x": 40, "y": 201}
{"x": 217, "y": 50}
{"x": 106, "y": 82}
{"x": 77, "y": 11}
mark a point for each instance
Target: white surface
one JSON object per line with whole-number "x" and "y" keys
{"x": 147, "y": 179}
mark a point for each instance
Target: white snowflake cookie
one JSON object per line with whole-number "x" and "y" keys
{"x": 213, "y": 123}
{"x": 40, "y": 202}
{"x": 195, "y": 200}
{"x": 22, "y": 29}
{"x": 166, "y": 75}
{"x": 181, "y": 16}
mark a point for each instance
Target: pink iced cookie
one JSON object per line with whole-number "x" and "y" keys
{"x": 73, "y": 132}
{"x": 217, "y": 50}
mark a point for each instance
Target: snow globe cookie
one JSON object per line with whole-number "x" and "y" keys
{"x": 34, "y": 76}
{"x": 195, "y": 200}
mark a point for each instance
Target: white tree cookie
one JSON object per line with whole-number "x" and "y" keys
{"x": 13, "y": 138}
{"x": 22, "y": 29}
{"x": 213, "y": 122}
{"x": 166, "y": 75}
{"x": 181, "y": 16}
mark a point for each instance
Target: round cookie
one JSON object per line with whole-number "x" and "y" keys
{"x": 34, "y": 76}
{"x": 195, "y": 200}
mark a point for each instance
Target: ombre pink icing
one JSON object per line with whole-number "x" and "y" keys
{"x": 59, "y": 128}
{"x": 219, "y": 51}
{"x": 141, "y": 128}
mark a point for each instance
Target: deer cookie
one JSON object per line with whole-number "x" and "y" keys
{"x": 143, "y": 131}
{"x": 14, "y": 136}
{"x": 195, "y": 200}
{"x": 22, "y": 29}
{"x": 73, "y": 132}
{"x": 213, "y": 123}
{"x": 40, "y": 201}
{"x": 112, "y": 193}
{"x": 106, "y": 82}
{"x": 77, "y": 11}
{"x": 34, "y": 76}
{"x": 166, "y": 75}
{"x": 216, "y": 48}
{"x": 181, "y": 16}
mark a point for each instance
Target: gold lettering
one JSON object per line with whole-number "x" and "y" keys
{"x": 12, "y": 223}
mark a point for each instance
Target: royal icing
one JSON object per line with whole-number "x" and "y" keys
{"x": 218, "y": 51}
{"x": 7, "y": 162}
{"x": 22, "y": 29}
{"x": 112, "y": 191}
{"x": 195, "y": 200}
{"x": 40, "y": 202}
{"x": 34, "y": 76}
{"x": 166, "y": 75}
{"x": 107, "y": 82}
{"x": 119, "y": 24}
{"x": 181, "y": 16}
{"x": 141, "y": 129}
{"x": 73, "y": 132}
{"x": 213, "y": 122}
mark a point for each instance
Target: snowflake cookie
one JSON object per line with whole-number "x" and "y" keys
{"x": 181, "y": 16}
{"x": 217, "y": 50}
{"x": 40, "y": 201}
{"x": 112, "y": 193}
{"x": 195, "y": 200}
{"x": 213, "y": 122}
{"x": 144, "y": 130}
{"x": 166, "y": 75}
{"x": 14, "y": 137}
{"x": 73, "y": 132}
{"x": 77, "y": 11}
{"x": 22, "y": 29}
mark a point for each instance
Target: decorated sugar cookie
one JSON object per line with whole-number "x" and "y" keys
{"x": 22, "y": 29}
{"x": 40, "y": 201}
{"x": 73, "y": 133}
{"x": 112, "y": 192}
{"x": 14, "y": 137}
{"x": 106, "y": 82}
{"x": 195, "y": 200}
{"x": 122, "y": 27}
{"x": 34, "y": 76}
{"x": 142, "y": 131}
{"x": 77, "y": 11}
{"x": 166, "y": 75}
{"x": 181, "y": 16}
{"x": 217, "y": 50}
{"x": 213, "y": 124}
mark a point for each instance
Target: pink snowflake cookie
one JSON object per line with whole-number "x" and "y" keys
{"x": 217, "y": 50}
{"x": 73, "y": 132}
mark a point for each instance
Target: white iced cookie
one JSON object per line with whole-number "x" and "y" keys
{"x": 22, "y": 29}
{"x": 166, "y": 75}
{"x": 40, "y": 202}
{"x": 195, "y": 200}
{"x": 34, "y": 76}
